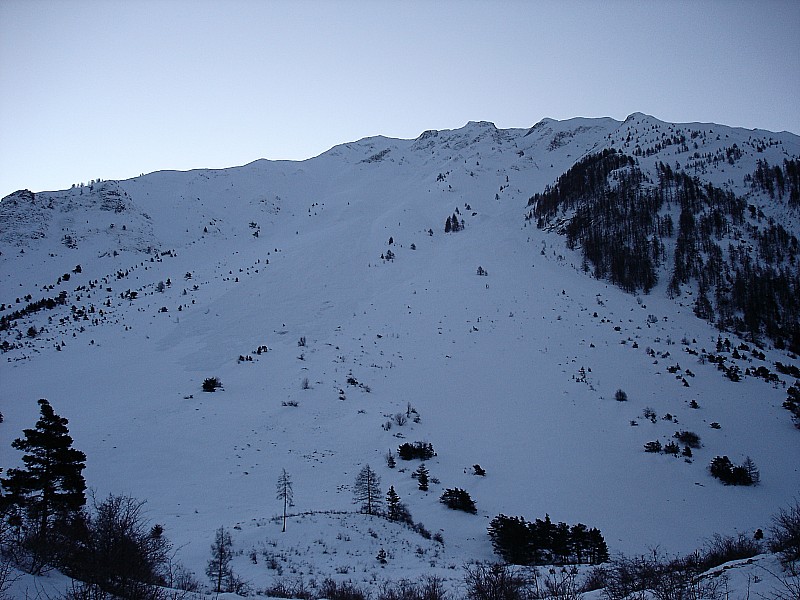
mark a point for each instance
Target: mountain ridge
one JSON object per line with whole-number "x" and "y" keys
{"x": 183, "y": 273}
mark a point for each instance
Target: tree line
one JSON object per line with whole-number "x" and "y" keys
{"x": 623, "y": 224}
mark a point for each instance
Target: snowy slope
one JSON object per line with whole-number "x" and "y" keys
{"x": 515, "y": 371}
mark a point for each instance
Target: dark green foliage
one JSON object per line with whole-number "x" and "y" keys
{"x": 458, "y": 499}
{"x": 778, "y": 181}
{"x": 520, "y": 542}
{"x": 417, "y": 450}
{"x": 792, "y": 403}
{"x": 392, "y": 504}
{"x": 51, "y": 487}
{"x": 512, "y": 539}
{"x": 422, "y": 476}
{"x": 620, "y": 396}
{"x": 620, "y": 221}
{"x": 7, "y": 321}
{"x": 654, "y": 446}
{"x": 723, "y": 469}
{"x": 395, "y": 509}
{"x": 688, "y": 438}
{"x": 671, "y": 448}
{"x": 211, "y": 384}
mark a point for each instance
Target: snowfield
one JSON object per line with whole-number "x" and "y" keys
{"x": 515, "y": 371}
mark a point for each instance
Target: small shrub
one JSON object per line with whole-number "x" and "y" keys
{"x": 211, "y": 384}
{"x": 620, "y": 396}
{"x": 722, "y": 549}
{"x": 486, "y": 581}
{"x": 688, "y": 438}
{"x": 344, "y": 590}
{"x": 458, "y": 499}
{"x": 785, "y": 536}
{"x": 654, "y": 446}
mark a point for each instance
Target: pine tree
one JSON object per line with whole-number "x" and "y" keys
{"x": 367, "y": 490}
{"x": 285, "y": 492}
{"x": 51, "y": 486}
{"x": 598, "y": 549}
{"x": 393, "y": 505}
{"x": 422, "y": 477}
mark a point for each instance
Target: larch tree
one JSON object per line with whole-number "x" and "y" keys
{"x": 219, "y": 566}
{"x": 285, "y": 492}
{"x": 367, "y": 490}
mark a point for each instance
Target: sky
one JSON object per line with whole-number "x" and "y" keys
{"x": 111, "y": 89}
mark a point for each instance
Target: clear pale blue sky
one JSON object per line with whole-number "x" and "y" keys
{"x": 112, "y": 89}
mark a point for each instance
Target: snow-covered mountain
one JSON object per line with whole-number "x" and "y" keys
{"x": 330, "y": 302}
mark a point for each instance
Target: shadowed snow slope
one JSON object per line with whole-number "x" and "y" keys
{"x": 183, "y": 273}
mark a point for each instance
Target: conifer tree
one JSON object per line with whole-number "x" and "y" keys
{"x": 422, "y": 477}
{"x": 219, "y": 566}
{"x": 51, "y": 487}
{"x": 285, "y": 492}
{"x": 393, "y": 505}
{"x": 367, "y": 490}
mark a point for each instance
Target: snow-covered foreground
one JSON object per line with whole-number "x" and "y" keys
{"x": 515, "y": 371}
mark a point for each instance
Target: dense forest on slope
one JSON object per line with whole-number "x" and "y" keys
{"x": 742, "y": 266}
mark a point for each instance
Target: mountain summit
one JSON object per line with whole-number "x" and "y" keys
{"x": 553, "y": 310}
